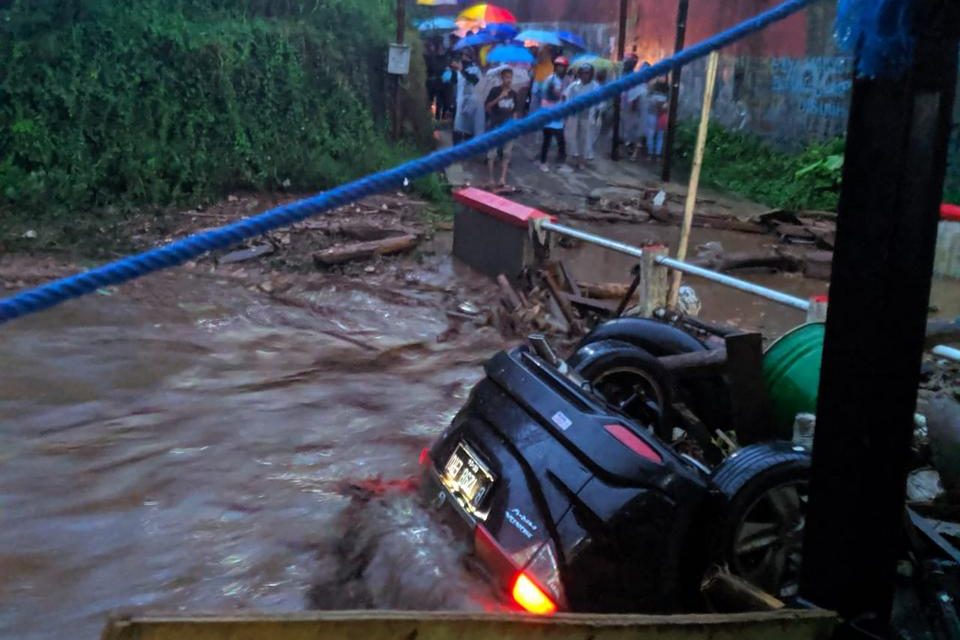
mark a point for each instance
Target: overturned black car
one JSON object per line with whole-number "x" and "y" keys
{"x": 585, "y": 489}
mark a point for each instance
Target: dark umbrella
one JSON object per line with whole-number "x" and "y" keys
{"x": 573, "y": 40}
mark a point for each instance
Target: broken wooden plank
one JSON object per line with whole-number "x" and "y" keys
{"x": 565, "y": 307}
{"x": 247, "y": 254}
{"x": 723, "y": 262}
{"x": 361, "y": 250}
{"x": 604, "y": 290}
{"x": 603, "y": 307}
{"x": 569, "y": 279}
{"x": 510, "y": 295}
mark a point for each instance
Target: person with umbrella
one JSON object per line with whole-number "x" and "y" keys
{"x": 502, "y": 105}
{"x": 551, "y": 94}
{"x": 580, "y": 127}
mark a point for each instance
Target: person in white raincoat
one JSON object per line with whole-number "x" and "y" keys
{"x": 468, "y": 75}
{"x": 581, "y": 127}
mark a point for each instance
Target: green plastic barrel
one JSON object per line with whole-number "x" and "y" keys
{"x": 791, "y": 372}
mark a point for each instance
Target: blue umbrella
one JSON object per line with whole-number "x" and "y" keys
{"x": 502, "y": 32}
{"x": 476, "y": 40}
{"x": 437, "y": 24}
{"x": 540, "y": 37}
{"x": 573, "y": 40}
{"x": 510, "y": 54}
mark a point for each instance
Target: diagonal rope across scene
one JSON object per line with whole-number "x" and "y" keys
{"x": 181, "y": 251}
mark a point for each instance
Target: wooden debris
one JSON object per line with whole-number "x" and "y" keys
{"x": 510, "y": 296}
{"x": 604, "y": 290}
{"x": 361, "y": 250}
{"x": 247, "y": 254}
{"x": 818, "y": 264}
{"x": 728, "y": 593}
{"x": 723, "y": 262}
{"x": 562, "y": 302}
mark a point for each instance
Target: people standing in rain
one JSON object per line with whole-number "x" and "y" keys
{"x": 580, "y": 127}
{"x": 502, "y": 105}
{"x": 656, "y": 108}
{"x": 633, "y": 109}
{"x": 467, "y": 77}
{"x": 551, "y": 94}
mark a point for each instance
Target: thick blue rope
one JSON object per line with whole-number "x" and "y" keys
{"x": 181, "y": 251}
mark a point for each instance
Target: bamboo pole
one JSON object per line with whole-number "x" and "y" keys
{"x": 712, "y": 63}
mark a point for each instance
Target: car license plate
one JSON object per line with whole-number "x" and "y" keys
{"x": 467, "y": 478}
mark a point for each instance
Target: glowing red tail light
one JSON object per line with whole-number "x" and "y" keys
{"x": 532, "y": 598}
{"x": 424, "y": 456}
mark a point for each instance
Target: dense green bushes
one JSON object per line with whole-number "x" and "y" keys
{"x": 743, "y": 163}
{"x": 106, "y": 103}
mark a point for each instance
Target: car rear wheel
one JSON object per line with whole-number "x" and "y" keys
{"x": 761, "y": 534}
{"x": 629, "y": 379}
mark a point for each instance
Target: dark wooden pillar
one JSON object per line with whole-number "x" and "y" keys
{"x": 892, "y": 185}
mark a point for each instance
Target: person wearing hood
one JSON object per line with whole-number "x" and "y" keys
{"x": 580, "y": 128}
{"x": 467, "y": 76}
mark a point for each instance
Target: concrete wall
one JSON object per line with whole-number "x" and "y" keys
{"x": 789, "y": 101}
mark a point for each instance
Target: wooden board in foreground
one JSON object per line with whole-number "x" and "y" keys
{"x": 385, "y": 625}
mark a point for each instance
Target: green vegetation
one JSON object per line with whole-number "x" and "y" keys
{"x": 108, "y": 105}
{"x": 743, "y": 163}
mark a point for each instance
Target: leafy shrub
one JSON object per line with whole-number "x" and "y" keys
{"x": 113, "y": 104}
{"x": 744, "y": 164}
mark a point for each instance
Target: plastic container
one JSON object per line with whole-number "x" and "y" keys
{"x": 791, "y": 372}
{"x": 947, "y": 262}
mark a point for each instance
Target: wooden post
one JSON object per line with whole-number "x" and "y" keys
{"x": 653, "y": 281}
{"x": 621, "y": 49}
{"x": 712, "y": 64}
{"x": 682, "y": 11}
{"x": 401, "y": 32}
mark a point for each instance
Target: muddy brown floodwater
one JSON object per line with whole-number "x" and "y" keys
{"x": 199, "y": 447}
{"x": 189, "y": 445}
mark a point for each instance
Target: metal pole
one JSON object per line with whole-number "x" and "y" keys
{"x": 897, "y": 141}
{"x": 401, "y": 33}
{"x": 682, "y": 12}
{"x": 949, "y": 353}
{"x": 706, "y": 274}
{"x": 621, "y": 49}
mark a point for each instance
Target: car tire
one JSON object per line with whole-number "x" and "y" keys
{"x": 760, "y": 533}
{"x": 609, "y": 361}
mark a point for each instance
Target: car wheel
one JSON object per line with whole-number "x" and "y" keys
{"x": 631, "y": 380}
{"x": 761, "y": 533}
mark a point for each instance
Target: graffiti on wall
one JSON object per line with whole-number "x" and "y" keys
{"x": 820, "y": 87}
{"x": 789, "y": 101}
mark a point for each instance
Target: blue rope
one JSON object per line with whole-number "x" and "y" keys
{"x": 181, "y": 251}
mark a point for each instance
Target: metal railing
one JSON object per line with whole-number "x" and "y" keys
{"x": 626, "y": 249}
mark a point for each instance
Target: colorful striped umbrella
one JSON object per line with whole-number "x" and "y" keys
{"x": 487, "y": 14}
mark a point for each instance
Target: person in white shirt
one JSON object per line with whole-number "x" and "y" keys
{"x": 580, "y": 127}
{"x": 551, "y": 94}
